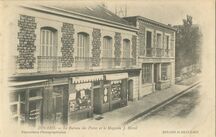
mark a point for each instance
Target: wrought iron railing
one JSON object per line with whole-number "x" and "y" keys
{"x": 127, "y": 62}
{"x": 49, "y": 63}
{"x": 150, "y": 52}
{"x": 107, "y": 62}
{"x": 52, "y": 64}
{"x": 83, "y": 63}
{"x": 159, "y": 52}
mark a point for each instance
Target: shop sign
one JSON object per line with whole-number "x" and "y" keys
{"x": 116, "y": 82}
{"x": 83, "y": 86}
{"x": 72, "y": 96}
{"x": 116, "y": 76}
{"x": 83, "y": 79}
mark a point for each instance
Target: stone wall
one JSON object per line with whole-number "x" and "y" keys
{"x": 96, "y": 47}
{"x": 117, "y": 46}
{"x": 135, "y": 94}
{"x": 146, "y": 89}
{"x": 26, "y": 46}
{"x": 67, "y": 45}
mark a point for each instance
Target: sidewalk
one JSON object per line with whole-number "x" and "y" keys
{"x": 134, "y": 109}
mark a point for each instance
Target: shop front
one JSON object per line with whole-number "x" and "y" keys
{"x": 81, "y": 97}
{"x": 162, "y": 75}
{"x": 111, "y": 93}
{"x": 26, "y": 101}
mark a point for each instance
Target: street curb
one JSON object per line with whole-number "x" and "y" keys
{"x": 157, "y": 105}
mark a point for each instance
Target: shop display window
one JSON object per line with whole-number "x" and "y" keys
{"x": 116, "y": 90}
{"x": 17, "y": 105}
{"x": 80, "y": 100}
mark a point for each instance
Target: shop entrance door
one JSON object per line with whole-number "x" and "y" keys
{"x": 156, "y": 73}
{"x": 57, "y": 99}
{"x": 130, "y": 90}
{"x": 34, "y": 112}
{"x": 96, "y": 100}
{"x": 101, "y": 100}
{"x": 58, "y": 108}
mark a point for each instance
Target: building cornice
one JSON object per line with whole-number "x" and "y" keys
{"x": 153, "y": 22}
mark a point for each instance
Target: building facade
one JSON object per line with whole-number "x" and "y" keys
{"x": 156, "y": 54}
{"x": 71, "y": 63}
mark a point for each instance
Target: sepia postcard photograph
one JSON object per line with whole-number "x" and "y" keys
{"x": 88, "y": 68}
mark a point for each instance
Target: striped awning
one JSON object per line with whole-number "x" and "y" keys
{"x": 84, "y": 79}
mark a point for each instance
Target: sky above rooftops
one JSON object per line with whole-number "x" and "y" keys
{"x": 164, "y": 11}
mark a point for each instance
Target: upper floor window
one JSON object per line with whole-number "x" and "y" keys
{"x": 107, "y": 46}
{"x": 167, "y": 39}
{"x": 159, "y": 40}
{"x": 148, "y": 39}
{"x": 126, "y": 48}
{"x": 48, "y": 42}
{"x": 83, "y": 45}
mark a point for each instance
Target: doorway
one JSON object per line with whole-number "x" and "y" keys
{"x": 130, "y": 90}
{"x": 156, "y": 73}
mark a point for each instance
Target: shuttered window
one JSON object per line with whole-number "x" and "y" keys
{"x": 107, "y": 47}
{"x": 126, "y": 48}
{"x": 48, "y": 45}
{"x": 83, "y": 45}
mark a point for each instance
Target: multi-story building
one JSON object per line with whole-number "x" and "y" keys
{"x": 156, "y": 54}
{"x": 71, "y": 62}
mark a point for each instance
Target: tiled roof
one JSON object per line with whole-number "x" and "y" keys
{"x": 94, "y": 11}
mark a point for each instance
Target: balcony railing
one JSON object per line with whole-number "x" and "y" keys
{"x": 54, "y": 64}
{"x": 150, "y": 52}
{"x": 127, "y": 62}
{"x": 159, "y": 52}
{"x": 83, "y": 63}
{"x": 108, "y": 62}
{"x": 49, "y": 63}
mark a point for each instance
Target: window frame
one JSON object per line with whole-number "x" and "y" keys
{"x": 107, "y": 48}
{"x": 159, "y": 44}
{"x": 126, "y": 50}
{"x": 146, "y": 73}
{"x": 146, "y": 32}
{"x": 48, "y": 42}
{"x": 83, "y": 49}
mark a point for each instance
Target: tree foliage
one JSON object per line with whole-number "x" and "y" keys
{"x": 188, "y": 44}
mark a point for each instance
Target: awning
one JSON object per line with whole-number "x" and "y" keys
{"x": 24, "y": 83}
{"x": 83, "y": 79}
{"x": 117, "y": 76}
